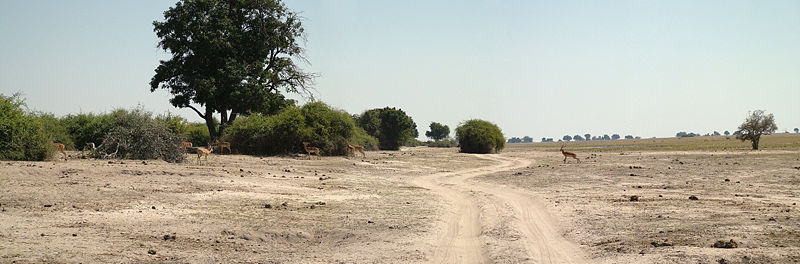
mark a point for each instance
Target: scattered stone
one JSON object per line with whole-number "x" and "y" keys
{"x": 727, "y": 180}
{"x": 722, "y": 261}
{"x": 666, "y": 243}
{"x": 693, "y": 198}
{"x": 370, "y": 222}
{"x": 74, "y": 235}
{"x": 634, "y": 198}
{"x": 268, "y": 206}
{"x": 660, "y": 195}
{"x": 633, "y": 174}
{"x": 151, "y": 252}
{"x": 725, "y": 244}
{"x": 772, "y": 219}
{"x": 42, "y": 234}
{"x": 168, "y": 237}
{"x": 284, "y": 204}
{"x": 241, "y": 170}
{"x": 144, "y": 162}
{"x": 320, "y": 203}
{"x": 48, "y": 205}
{"x": 154, "y": 207}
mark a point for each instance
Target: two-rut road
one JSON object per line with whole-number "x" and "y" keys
{"x": 461, "y": 240}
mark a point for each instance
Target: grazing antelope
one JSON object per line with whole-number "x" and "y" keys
{"x": 353, "y": 148}
{"x": 61, "y": 147}
{"x": 569, "y": 154}
{"x": 310, "y": 150}
{"x": 223, "y": 145}
{"x": 203, "y": 151}
{"x": 185, "y": 145}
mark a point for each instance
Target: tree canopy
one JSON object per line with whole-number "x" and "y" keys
{"x": 438, "y": 131}
{"x": 391, "y": 126}
{"x": 231, "y": 57}
{"x": 756, "y": 124}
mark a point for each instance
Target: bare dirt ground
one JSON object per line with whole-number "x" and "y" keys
{"x": 750, "y": 197}
{"x": 418, "y": 205}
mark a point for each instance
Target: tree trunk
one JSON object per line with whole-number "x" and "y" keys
{"x": 212, "y": 130}
{"x": 755, "y": 143}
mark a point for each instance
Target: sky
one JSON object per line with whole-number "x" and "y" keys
{"x": 534, "y": 68}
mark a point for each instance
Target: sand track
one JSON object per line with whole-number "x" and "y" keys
{"x": 462, "y": 240}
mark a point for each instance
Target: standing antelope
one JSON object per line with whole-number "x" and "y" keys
{"x": 223, "y": 145}
{"x": 203, "y": 151}
{"x": 186, "y": 144}
{"x": 569, "y": 154}
{"x": 61, "y": 147}
{"x": 310, "y": 150}
{"x": 353, "y": 148}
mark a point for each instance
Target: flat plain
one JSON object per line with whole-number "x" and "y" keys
{"x": 524, "y": 205}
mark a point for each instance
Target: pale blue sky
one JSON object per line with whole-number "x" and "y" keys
{"x": 536, "y": 68}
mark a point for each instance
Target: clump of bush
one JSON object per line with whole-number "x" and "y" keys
{"x": 391, "y": 126}
{"x": 85, "y": 128}
{"x": 283, "y": 133}
{"x": 197, "y": 133}
{"x": 479, "y": 136}
{"x": 136, "y": 135}
{"x": 22, "y": 136}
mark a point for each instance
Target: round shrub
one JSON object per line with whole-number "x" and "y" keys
{"x": 136, "y": 135}
{"x": 479, "y": 136}
{"x": 22, "y": 137}
{"x": 390, "y": 125}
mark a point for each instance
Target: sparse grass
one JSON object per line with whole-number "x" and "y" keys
{"x": 713, "y": 143}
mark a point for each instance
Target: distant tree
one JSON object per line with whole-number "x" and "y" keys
{"x": 737, "y": 132}
{"x": 758, "y": 123}
{"x": 615, "y": 136}
{"x": 544, "y": 139}
{"x": 577, "y": 138}
{"x": 628, "y": 137}
{"x": 549, "y": 139}
{"x": 438, "y": 131}
{"x": 727, "y": 133}
{"x": 588, "y": 136}
{"x": 606, "y": 137}
{"x": 514, "y": 140}
{"x": 527, "y": 139}
{"x": 796, "y": 130}
{"x": 479, "y": 136}
{"x": 231, "y": 58}
{"x": 567, "y": 138}
{"x": 391, "y": 126}
{"x": 716, "y": 133}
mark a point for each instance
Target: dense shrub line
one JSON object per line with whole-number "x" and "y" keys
{"x": 22, "y": 134}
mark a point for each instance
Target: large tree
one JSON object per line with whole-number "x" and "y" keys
{"x": 230, "y": 57}
{"x": 755, "y": 125}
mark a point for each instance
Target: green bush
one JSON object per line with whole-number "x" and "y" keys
{"x": 391, "y": 126}
{"x": 478, "y": 136}
{"x": 22, "y": 136}
{"x": 447, "y": 143}
{"x": 56, "y": 130}
{"x": 136, "y": 135}
{"x": 284, "y": 133}
{"x": 85, "y": 128}
{"x": 197, "y": 133}
{"x": 174, "y": 123}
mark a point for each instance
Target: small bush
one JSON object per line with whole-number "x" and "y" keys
{"x": 176, "y": 124}
{"x": 22, "y": 136}
{"x": 478, "y": 136}
{"x": 447, "y": 143}
{"x": 136, "y": 135}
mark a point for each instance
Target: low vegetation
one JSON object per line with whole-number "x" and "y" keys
{"x": 391, "y": 126}
{"x": 316, "y": 123}
{"x": 137, "y": 135}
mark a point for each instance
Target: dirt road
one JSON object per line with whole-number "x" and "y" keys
{"x": 466, "y": 225}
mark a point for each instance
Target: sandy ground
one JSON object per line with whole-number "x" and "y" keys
{"x": 413, "y": 206}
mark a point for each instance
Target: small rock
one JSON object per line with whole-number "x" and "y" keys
{"x": 154, "y": 207}
{"x": 693, "y": 198}
{"x": 727, "y": 180}
{"x": 168, "y": 237}
{"x": 666, "y": 243}
{"x": 74, "y": 235}
{"x": 370, "y": 222}
{"x": 634, "y": 198}
{"x": 772, "y": 219}
{"x": 725, "y": 244}
{"x": 151, "y": 252}
{"x": 285, "y": 204}
{"x": 268, "y": 206}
